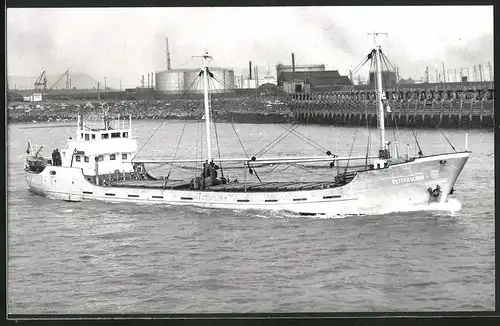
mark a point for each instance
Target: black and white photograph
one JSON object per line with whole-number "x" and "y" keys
{"x": 211, "y": 160}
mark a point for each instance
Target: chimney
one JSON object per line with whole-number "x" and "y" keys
{"x": 293, "y": 62}
{"x": 168, "y": 55}
{"x": 250, "y": 69}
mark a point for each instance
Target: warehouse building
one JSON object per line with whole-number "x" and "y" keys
{"x": 179, "y": 80}
{"x": 312, "y": 81}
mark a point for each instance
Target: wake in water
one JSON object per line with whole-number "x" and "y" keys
{"x": 451, "y": 207}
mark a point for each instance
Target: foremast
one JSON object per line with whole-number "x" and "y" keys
{"x": 207, "y": 104}
{"x": 384, "y": 151}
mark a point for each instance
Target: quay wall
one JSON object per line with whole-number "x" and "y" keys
{"x": 460, "y": 108}
{"x": 415, "y": 109}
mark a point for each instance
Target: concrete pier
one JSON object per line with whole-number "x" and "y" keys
{"x": 415, "y": 109}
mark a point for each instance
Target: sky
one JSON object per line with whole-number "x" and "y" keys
{"x": 125, "y": 43}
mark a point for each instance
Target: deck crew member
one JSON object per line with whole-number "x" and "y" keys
{"x": 58, "y": 157}
{"x": 54, "y": 157}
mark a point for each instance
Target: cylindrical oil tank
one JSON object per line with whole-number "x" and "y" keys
{"x": 222, "y": 82}
{"x": 190, "y": 82}
{"x": 224, "y": 79}
{"x": 171, "y": 81}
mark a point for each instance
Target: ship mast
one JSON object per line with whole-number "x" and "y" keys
{"x": 381, "y": 116}
{"x": 207, "y": 108}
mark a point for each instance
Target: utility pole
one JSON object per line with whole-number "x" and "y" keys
{"x": 490, "y": 71}
{"x": 444, "y": 74}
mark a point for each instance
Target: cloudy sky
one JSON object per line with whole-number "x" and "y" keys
{"x": 124, "y": 43}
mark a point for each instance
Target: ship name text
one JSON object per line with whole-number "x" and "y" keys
{"x": 413, "y": 178}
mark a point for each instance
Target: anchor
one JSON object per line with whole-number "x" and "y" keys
{"x": 434, "y": 194}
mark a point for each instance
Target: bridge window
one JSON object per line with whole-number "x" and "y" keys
{"x": 112, "y": 157}
{"x": 86, "y": 136}
{"x": 86, "y": 159}
{"x": 93, "y": 136}
{"x": 125, "y": 135}
{"x": 78, "y": 158}
{"x": 124, "y": 156}
{"x": 100, "y": 158}
{"x": 104, "y": 136}
{"x": 115, "y": 135}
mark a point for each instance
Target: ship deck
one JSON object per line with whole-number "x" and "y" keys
{"x": 235, "y": 186}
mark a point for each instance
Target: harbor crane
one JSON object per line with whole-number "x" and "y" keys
{"x": 66, "y": 73}
{"x": 41, "y": 82}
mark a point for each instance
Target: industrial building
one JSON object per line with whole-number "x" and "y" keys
{"x": 307, "y": 81}
{"x": 389, "y": 79}
{"x": 298, "y": 68}
{"x": 179, "y": 80}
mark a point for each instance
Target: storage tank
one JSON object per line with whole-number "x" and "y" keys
{"x": 171, "y": 81}
{"x": 225, "y": 79}
{"x": 190, "y": 76}
{"x": 223, "y": 82}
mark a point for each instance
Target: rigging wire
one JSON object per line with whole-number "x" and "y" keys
{"x": 369, "y": 137}
{"x": 166, "y": 118}
{"x": 305, "y": 138}
{"x": 350, "y": 152}
{"x": 308, "y": 140}
{"x": 178, "y": 145}
{"x": 215, "y": 129}
{"x": 278, "y": 139}
{"x": 420, "y": 153}
{"x": 237, "y": 136}
{"x": 437, "y": 126}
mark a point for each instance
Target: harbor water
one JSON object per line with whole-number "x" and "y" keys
{"x": 97, "y": 257}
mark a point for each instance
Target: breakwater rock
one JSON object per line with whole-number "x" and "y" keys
{"x": 243, "y": 110}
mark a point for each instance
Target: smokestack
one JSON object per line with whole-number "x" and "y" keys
{"x": 148, "y": 80}
{"x": 168, "y": 54}
{"x": 152, "y": 81}
{"x": 293, "y": 62}
{"x": 250, "y": 69}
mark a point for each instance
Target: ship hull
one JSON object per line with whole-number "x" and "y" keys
{"x": 403, "y": 184}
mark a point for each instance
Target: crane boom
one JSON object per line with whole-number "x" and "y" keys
{"x": 41, "y": 81}
{"x": 66, "y": 73}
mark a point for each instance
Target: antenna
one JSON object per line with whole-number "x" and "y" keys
{"x": 375, "y": 34}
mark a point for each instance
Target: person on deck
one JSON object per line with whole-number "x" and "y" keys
{"x": 58, "y": 157}
{"x": 54, "y": 157}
